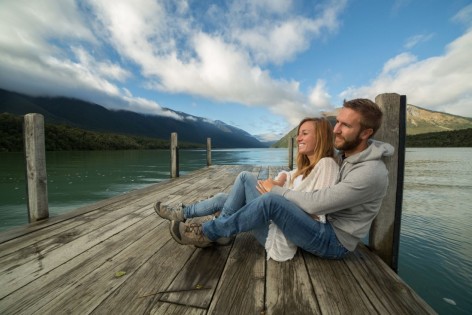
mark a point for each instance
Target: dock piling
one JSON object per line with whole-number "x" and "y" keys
{"x": 174, "y": 155}
{"x": 384, "y": 235}
{"x": 208, "y": 151}
{"x": 290, "y": 153}
{"x": 36, "y": 174}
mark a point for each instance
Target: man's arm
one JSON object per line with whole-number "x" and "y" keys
{"x": 363, "y": 184}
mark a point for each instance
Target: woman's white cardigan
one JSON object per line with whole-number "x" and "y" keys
{"x": 324, "y": 174}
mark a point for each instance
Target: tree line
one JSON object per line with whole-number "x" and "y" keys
{"x": 66, "y": 138}
{"x": 453, "y": 138}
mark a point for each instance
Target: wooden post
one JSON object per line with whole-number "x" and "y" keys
{"x": 384, "y": 235}
{"x": 208, "y": 151}
{"x": 290, "y": 152}
{"x": 36, "y": 175}
{"x": 174, "y": 156}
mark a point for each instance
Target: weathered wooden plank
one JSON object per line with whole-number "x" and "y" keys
{"x": 289, "y": 289}
{"x": 335, "y": 287}
{"x": 44, "y": 288}
{"x": 241, "y": 287}
{"x": 197, "y": 281}
{"x": 173, "y": 309}
{"x": 139, "y": 293}
{"x": 43, "y": 260}
{"x": 384, "y": 286}
{"x": 96, "y": 285}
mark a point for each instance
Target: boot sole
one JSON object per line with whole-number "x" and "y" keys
{"x": 174, "y": 231}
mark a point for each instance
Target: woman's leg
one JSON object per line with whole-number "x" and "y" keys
{"x": 308, "y": 234}
{"x": 205, "y": 207}
{"x": 243, "y": 191}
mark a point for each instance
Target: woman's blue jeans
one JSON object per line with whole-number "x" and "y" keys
{"x": 308, "y": 234}
{"x": 243, "y": 191}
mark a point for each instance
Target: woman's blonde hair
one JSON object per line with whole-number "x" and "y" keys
{"x": 324, "y": 146}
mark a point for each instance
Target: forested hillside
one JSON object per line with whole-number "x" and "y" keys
{"x": 94, "y": 117}
{"x": 455, "y": 138}
{"x": 64, "y": 138}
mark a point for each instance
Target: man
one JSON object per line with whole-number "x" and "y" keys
{"x": 350, "y": 205}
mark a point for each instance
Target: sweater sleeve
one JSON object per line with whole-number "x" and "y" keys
{"x": 360, "y": 185}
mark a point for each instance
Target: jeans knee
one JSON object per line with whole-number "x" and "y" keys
{"x": 221, "y": 197}
{"x": 272, "y": 200}
{"x": 243, "y": 175}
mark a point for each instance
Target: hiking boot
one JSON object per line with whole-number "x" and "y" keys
{"x": 170, "y": 212}
{"x": 189, "y": 234}
{"x": 223, "y": 241}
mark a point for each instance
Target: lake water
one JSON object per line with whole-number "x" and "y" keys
{"x": 436, "y": 230}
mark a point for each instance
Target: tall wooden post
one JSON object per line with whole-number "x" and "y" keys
{"x": 208, "y": 151}
{"x": 174, "y": 156}
{"x": 384, "y": 238}
{"x": 290, "y": 152}
{"x": 36, "y": 175}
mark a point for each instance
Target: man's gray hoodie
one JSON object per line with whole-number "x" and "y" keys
{"x": 352, "y": 203}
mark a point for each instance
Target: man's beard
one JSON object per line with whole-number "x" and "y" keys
{"x": 349, "y": 144}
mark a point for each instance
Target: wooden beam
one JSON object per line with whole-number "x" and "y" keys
{"x": 385, "y": 231}
{"x": 36, "y": 175}
{"x": 208, "y": 151}
{"x": 174, "y": 155}
{"x": 290, "y": 153}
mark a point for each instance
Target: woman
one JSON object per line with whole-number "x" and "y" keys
{"x": 316, "y": 168}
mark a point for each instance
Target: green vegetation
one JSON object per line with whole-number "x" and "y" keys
{"x": 454, "y": 138}
{"x": 65, "y": 138}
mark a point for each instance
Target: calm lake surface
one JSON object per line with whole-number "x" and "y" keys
{"x": 436, "y": 230}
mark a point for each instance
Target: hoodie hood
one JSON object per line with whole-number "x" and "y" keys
{"x": 375, "y": 151}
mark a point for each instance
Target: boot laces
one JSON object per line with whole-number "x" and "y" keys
{"x": 195, "y": 228}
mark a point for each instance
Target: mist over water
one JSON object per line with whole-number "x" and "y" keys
{"x": 436, "y": 230}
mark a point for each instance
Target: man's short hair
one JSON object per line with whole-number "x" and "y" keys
{"x": 371, "y": 114}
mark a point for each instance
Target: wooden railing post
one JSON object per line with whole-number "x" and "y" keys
{"x": 384, "y": 235}
{"x": 208, "y": 151}
{"x": 290, "y": 153}
{"x": 174, "y": 156}
{"x": 36, "y": 175}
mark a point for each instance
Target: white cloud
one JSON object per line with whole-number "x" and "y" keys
{"x": 278, "y": 40}
{"x": 464, "y": 16}
{"x": 177, "y": 55}
{"x": 398, "y": 62}
{"x": 417, "y": 39}
{"x": 320, "y": 98}
{"x": 441, "y": 83}
{"x": 64, "y": 47}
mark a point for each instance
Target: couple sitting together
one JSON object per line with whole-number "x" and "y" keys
{"x": 325, "y": 206}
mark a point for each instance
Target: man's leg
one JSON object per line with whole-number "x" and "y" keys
{"x": 308, "y": 234}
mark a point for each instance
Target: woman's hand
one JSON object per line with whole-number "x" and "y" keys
{"x": 281, "y": 179}
{"x": 264, "y": 186}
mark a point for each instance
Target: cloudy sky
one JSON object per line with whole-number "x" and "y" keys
{"x": 260, "y": 65}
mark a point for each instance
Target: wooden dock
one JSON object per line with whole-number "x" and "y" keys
{"x": 117, "y": 257}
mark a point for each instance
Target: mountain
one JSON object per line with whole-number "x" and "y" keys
{"x": 94, "y": 117}
{"x": 418, "y": 121}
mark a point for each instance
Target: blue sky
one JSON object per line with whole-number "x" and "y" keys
{"x": 258, "y": 65}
